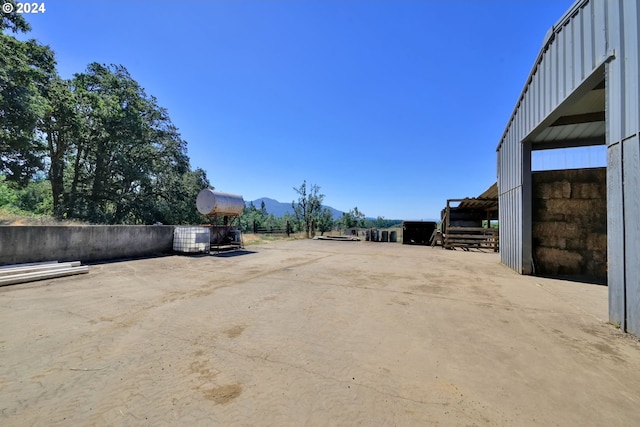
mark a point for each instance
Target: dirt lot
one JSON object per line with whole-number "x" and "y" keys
{"x": 314, "y": 333}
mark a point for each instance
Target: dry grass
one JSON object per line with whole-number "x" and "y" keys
{"x": 256, "y": 239}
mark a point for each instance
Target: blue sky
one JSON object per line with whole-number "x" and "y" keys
{"x": 390, "y": 106}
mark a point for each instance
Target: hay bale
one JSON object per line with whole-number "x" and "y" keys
{"x": 570, "y": 262}
{"x": 597, "y": 242}
{"x": 577, "y": 245}
{"x": 599, "y": 257}
{"x": 595, "y": 264}
{"x": 551, "y": 242}
{"x": 541, "y": 213}
{"x": 558, "y": 261}
{"x": 567, "y": 230}
{"x": 569, "y": 206}
{"x": 541, "y": 191}
{"x": 589, "y": 190}
{"x": 559, "y": 242}
{"x": 545, "y": 264}
{"x": 552, "y": 190}
{"x": 589, "y": 213}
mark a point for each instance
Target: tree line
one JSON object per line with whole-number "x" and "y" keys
{"x": 104, "y": 148}
{"x": 309, "y": 216}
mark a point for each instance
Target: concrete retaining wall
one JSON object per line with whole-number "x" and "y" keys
{"x": 20, "y": 244}
{"x": 570, "y": 223}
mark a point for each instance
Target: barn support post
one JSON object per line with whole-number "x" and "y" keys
{"x": 527, "y": 210}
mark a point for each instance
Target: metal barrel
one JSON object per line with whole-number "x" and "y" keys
{"x": 211, "y": 202}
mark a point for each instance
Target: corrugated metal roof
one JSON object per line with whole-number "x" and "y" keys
{"x": 583, "y": 120}
{"x": 490, "y": 193}
{"x": 486, "y": 201}
{"x": 593, "y": 102}
{"x": 571, "y": 132}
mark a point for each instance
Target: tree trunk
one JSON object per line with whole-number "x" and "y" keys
{"x": 56, "y": 171}
{"x": 70, "y": 205}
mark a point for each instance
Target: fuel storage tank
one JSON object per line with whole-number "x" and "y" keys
{"x": 211, "y": 202}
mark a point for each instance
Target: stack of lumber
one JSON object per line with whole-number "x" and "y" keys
{"x": 21, "y": 273}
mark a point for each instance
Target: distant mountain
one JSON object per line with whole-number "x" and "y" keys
{"x": 279, "y": 208}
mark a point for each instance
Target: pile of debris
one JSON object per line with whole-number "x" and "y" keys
{"x": 21, "y": 273}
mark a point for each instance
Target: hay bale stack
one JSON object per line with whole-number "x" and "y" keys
{"x": 570, "y": 221}
{"x": 558, "y": 261}
{"x": 553, "y": 190}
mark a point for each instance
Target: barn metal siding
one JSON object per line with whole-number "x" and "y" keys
{"x": 631, "y": 218}
{"x": 592, "y": 38}
{"x": 615, "y": 230}
{"x": 623, "y": 171}
{"x": 575, "y": 47}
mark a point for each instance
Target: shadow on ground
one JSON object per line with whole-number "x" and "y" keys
{"x": 233, "y": 253}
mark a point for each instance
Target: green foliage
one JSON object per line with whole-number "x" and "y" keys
{"x": 62, "y": 125}
{"x": 494, "y": 223}
{"x": 25, "y": 68}
{"x": 353, "y": 218}
{"x": 381, "y": 222}
{"x": 322, "y": 221}
{"x": 8, "y": 195}
{"x": 109, "y": 151}
{"x": 307, "y": 209}
{"x": 115, "y": 155}
{"x": 325, "y": 221}
{"x": 262, "y": 219}
{"x": 289, "y": 219}
{"x": 35, "y": 197}
{"x": 249, "y": 215}
{"x": 14, "y": 22}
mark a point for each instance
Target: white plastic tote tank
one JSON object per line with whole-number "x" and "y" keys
{"x": 191, "y": 239}
{"x": 211, "y": 202}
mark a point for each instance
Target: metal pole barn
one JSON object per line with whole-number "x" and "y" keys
{"x": 592, "y": 49}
